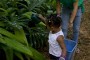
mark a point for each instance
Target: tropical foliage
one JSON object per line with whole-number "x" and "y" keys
{"x": 19, "y": 33}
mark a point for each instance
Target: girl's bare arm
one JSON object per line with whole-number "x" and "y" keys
{"x": 60, "y": 40}
{"x": 58, "y": 7}
{"x": 43, "y": 19}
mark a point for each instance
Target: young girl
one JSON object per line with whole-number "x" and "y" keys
{"x": 57, "y": 49}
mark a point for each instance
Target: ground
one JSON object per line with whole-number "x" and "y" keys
{"x": 84, "y": 36}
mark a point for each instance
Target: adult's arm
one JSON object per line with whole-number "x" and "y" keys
{"x": 75, "y": 5}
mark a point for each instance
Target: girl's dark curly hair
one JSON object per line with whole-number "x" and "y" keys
{"x": 53, "y": 20}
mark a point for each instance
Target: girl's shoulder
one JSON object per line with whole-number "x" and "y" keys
{"x": 60, "y": 32}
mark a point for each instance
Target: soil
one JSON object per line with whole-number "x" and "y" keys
{"x": 84, "y": 36}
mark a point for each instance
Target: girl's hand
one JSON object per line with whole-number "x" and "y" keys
{"x": 61, "y": 58}
{"x": 58, "y": 15}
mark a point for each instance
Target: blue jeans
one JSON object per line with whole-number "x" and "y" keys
{"x": 65, "y": 15}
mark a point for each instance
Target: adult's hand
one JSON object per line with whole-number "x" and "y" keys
{"x": 70, "y": 24}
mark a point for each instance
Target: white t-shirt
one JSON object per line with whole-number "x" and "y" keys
{"x": 54, "y": 47}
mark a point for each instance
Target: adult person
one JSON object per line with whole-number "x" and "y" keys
{"x": 71, "y": 15}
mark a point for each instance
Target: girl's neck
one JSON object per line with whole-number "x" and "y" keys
{"x": 57, "y": 30}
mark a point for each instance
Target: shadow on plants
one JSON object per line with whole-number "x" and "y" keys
{"x": 2, "y": 55}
